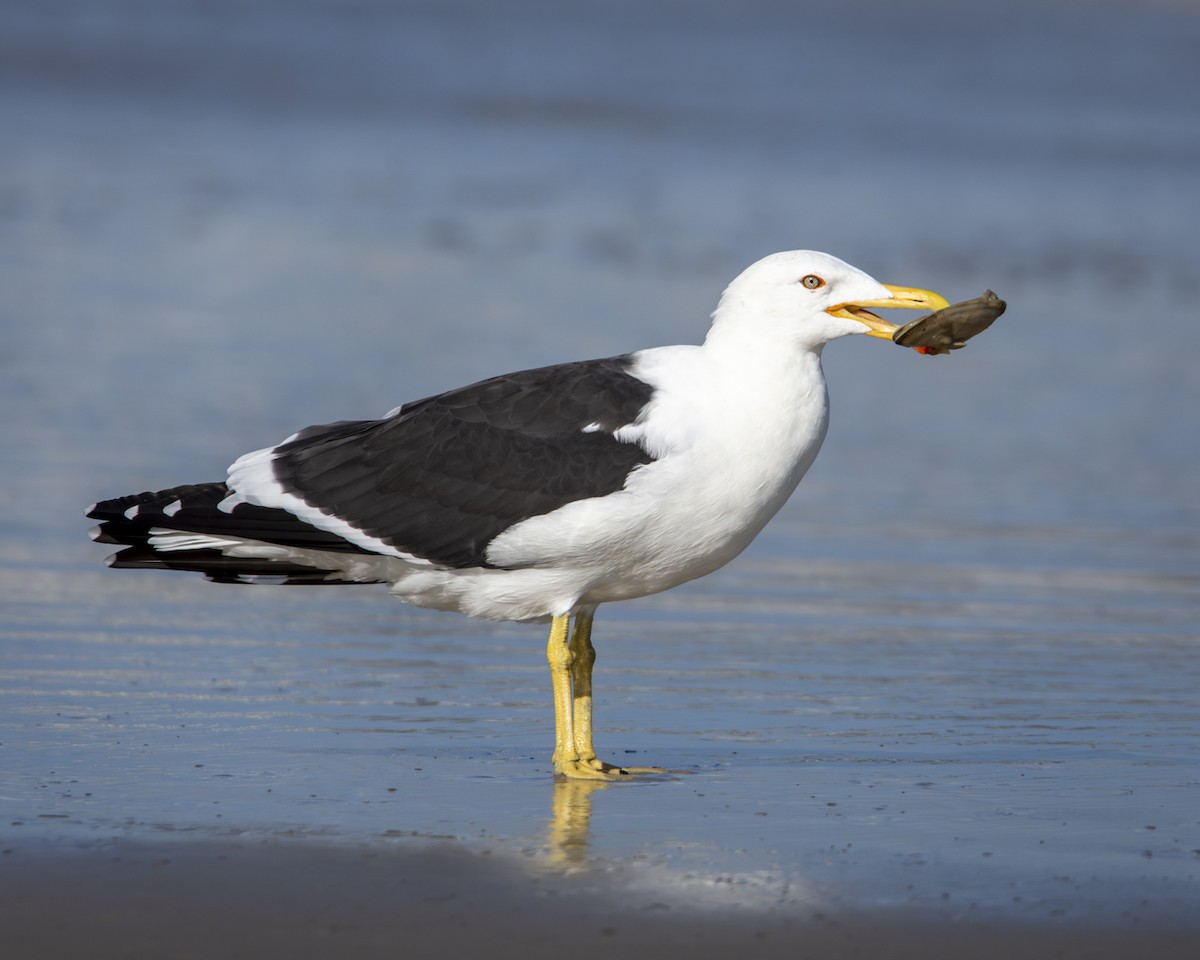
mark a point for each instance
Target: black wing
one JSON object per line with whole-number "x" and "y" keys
{"x": 442, "y": 477}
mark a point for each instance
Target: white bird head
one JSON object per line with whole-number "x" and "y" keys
{"x": 806, "y": 298}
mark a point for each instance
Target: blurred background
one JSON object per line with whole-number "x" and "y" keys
{"x": 222, "y": 221}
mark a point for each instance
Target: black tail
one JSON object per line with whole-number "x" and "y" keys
{"x": 131, "y": 522}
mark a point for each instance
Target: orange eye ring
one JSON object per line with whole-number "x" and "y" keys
{"x": 812, "y": 282}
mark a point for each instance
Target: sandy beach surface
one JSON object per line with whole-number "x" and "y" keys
{"x": 947, "y": 704}
{"x": 309, "y": 900}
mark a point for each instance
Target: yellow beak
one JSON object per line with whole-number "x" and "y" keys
{"x": 908, "y": 298}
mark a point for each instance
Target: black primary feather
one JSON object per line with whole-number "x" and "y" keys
{"x": 197, "y": 512}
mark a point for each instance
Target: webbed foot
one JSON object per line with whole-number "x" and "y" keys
{"x": 597, "y": 769}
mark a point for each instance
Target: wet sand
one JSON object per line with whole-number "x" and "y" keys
{"x": 230, "y": 900}
{"x": 946, "y": 702}
{"x": 267, "y": 765}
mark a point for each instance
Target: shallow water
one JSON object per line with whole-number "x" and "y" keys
{"x": 956, "y": 677}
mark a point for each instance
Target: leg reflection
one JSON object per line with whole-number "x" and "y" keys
{"x": 571, "y": 807}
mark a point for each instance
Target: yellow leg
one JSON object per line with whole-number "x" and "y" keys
{"x": 571, "y": 659}
{"x": 558, "y": 654}
{"x": 566, "y": 751}
{"x": 583, "y": 657}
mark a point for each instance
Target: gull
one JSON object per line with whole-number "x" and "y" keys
{"x": 541, "y": 494}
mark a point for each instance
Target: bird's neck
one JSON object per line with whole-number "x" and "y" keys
{"x": 772, "y": 391}
{"x": 765, "y": 359}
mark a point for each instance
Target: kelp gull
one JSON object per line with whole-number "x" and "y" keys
{"x": 544, "y": 493}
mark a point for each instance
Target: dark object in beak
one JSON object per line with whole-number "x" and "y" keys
{"x": 951, "y": 327}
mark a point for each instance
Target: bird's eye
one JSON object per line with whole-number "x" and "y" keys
{"x": 813, "y": 282}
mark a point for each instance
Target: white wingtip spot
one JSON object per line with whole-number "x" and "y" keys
{"x": 172, "y": 508}
{"x": 132, "y": 511}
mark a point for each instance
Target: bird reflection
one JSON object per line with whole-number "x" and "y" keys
{"x": 570, "y": 820}
{"x": 571, "y": 816}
